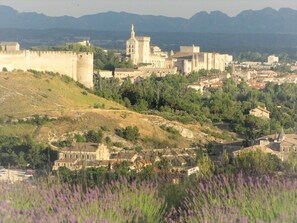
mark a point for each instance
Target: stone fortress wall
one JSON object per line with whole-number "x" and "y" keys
{"x": 78, "y": 66}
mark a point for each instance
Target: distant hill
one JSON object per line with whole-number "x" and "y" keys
{"x": 266, "y": 20}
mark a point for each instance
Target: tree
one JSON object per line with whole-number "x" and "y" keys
{"x": 255, "y": 128}
{"x": 80, "y": 138}
{"x": 164, "y": 165}
{"x": 93, "y": 136}
{"x": 257, "y": 162}
{"x": 130, "y": 133}
{"x": 206, "y": 166}
{"x": 34, "y": 156}
{"x": 148, "y": 173}
{"x": 292, "y": 161}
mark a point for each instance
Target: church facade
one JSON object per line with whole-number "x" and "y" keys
{"x": 141, "y": 53}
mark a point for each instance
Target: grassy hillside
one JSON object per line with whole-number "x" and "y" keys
{"x": 24, "y": 94}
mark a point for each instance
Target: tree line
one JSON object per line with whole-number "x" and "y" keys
{"x": 171, "y": 98}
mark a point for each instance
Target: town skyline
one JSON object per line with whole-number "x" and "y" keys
{"x": 79, "y": 8}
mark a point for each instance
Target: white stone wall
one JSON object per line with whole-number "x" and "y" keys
{"x": 78, "y": 66}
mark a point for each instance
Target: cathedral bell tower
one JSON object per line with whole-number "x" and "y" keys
{"x": 132, "y": 47}
{"x": 132, "y": 32}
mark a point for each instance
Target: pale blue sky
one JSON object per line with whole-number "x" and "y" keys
{"x": 181, "y": 8}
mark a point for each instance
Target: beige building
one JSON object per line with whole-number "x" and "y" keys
{"x": 78, "y": 66}
{"x": 82, "y": 154}
{"x": 272, "y": 59}
{"x": 82, "y": 43}
{"x": 105, "y": 73}
{"x": 260, "y": 112}
{"x": 190, "y": 59}
{"x": 139, "y": 50}
{"x": 9, "y": 46}
{"x": 141, "y": 73}
{"x": 281, "y": 145}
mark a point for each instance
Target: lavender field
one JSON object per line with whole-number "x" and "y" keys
{"x": 220, "y": 199}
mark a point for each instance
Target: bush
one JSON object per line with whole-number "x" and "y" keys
{"x": 130, "y": 133}
{"x": 238, "y": 199}
{"x": 170, "y": 129}
{"x": 93, "y": 136}
{"x": 107, "y": 140}
{"x": 1, "y": 120}
{"x": 119, "y": 201}
{"x": 84, "y": 92}
{"x": 257, "y": 162}
{"x": 66, "y": 79}
{"x": 80, "y": 138}
{"x": 4, "y": 69}
{"x": 118, "y": 144}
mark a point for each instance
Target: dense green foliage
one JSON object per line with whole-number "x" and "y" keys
{"x": 258, "y": 163}
{"x": 21, "y": 151}
{"x": 130, "y": 133}
{"x": 284, "y": 57}
{"x": 93, "y": 136}
{"x": 171, "y": 98}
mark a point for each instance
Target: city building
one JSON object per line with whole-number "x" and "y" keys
{"x": 272, "y": 59}
{"x": 81, "y": 155}
{"x": 139, "y": 50}
{"x": 260, "y": 112}
{"x": 190, "y": 59}
{"x": 9, "y": 46}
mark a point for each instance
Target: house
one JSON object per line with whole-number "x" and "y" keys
{"x": 129, "y": 156}
{"x": 80, "y": 154}
{"x": 260, "y": 112}
{"x": 105, "y": 73}
{"x": 10, "y": 46}
{"x": 280, "y": 145}
{"x": 69, "y": 163}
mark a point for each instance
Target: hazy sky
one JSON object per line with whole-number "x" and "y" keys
{"x": 182, "y": 8}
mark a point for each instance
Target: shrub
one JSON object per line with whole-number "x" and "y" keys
{"x": 130, "y": 133}
{"x": 66, "y": 79}
{"x": 79, "y": 138}
{"x": 4, "y": 69}
{"x": 93, "y": 136}
{"x": 239, "y": 199}
{"x": 257, "y": 162}
{"x": 1, "y": 120}
{"x": 84, "y": 92}
{"x": 107, "y": 140}
{"x": 118, "y": 144}
{"x": 170, "y": 129}
{"x": 114, "y": 202}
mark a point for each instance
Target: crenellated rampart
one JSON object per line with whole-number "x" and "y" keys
{"x": 78, "y": 66}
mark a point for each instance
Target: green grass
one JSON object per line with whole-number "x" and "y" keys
{"x": 24, "y": 93}
{"x": 17, "y": 129}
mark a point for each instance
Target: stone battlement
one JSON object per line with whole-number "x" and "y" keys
{"x": 45, "y": 52}
{"x": 77, "y": 65}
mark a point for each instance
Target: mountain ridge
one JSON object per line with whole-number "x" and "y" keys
{"x": 267, "y": 20}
